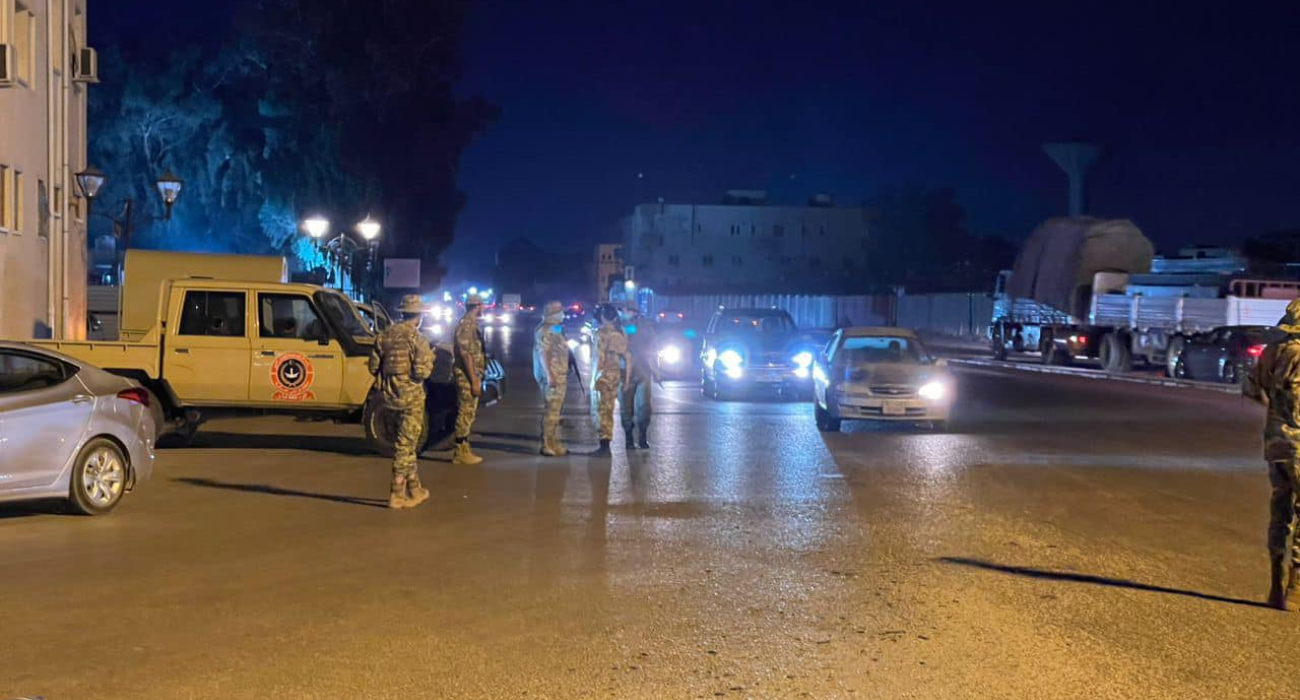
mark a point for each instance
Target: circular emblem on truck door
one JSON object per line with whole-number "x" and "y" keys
{"x": 291, "y": 375}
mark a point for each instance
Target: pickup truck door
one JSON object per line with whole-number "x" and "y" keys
{"x": 44, "y": 411}
{"x": 205, "y": 361}
{"x": 294, "y": 361}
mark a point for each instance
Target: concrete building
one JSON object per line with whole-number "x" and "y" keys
{"x": 45, "y": 70}
{"x": 607, "y": 266}
{"x": 746, "y": 245}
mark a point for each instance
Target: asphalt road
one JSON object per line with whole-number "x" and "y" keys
{"x": 1068, "y": 539}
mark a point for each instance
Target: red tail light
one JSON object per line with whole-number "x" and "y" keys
{"x": 138, "y": 395}
{"x": 1255, "y": 350}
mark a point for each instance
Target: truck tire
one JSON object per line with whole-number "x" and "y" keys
{"x": 1172, "y": 356}
{"x": 381, "y": 432}
{"x": 1115, "y": 355}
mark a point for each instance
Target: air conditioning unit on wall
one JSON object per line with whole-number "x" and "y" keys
{"x": 87, "y": 69}
{"x": 8, "y": 65}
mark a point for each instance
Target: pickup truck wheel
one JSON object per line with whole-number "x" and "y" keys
{"x": 381, "y": 429}
{"x": 1115, "y": 355}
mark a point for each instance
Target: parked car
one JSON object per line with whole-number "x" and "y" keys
{"x": 1223, "y": 355}
{"x": 71, "y": 431}
{"x": 880, "y": 374}
{"x": 752, "y": 348}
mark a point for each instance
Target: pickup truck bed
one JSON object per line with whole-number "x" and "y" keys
{"x": 114, "y": 356}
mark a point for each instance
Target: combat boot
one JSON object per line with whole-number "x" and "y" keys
{"x": 603, "y": 451}
{"x": 463, "y": 455}
{"x": 397, "y": 497}
{"x": 548, "y": 448}
{"x": 1282, "y": 594}
{"x": 415, "y": 492}
{"x": 631, "y": 443}
{"x": 642, "y": 442}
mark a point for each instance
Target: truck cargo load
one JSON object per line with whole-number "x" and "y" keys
{"x": 1062, "y": 256}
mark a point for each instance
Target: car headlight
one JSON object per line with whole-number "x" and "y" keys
{"x": 735, "y": 372}
{"x": 670, "y": 354}
{"x": 436, "y": 329}
{"x": 571, "y": 343}
{"x": 932, "y": 391}
{"x": 488, "y": 318}
{"x": 803, "y": 359}
{"x": 506, "y": 319}
{"x": 801, "y": 372}
{"x": 730, "y": 359}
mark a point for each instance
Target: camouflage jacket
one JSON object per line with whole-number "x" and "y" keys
{"x": 401, "y": 360}
{"x": 469, "y": 344}
{"x": 610, "y": 354}
{"x": 1275, "y": 382}
{"x": 550, "y": 355}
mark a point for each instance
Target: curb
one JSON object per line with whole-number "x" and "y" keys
{"x": 1099, "y": 375}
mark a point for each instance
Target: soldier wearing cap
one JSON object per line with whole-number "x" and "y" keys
{"x": 468, "y": 371}
{"x": 551, "y": 370}
{"x": 401, "y": 361}
{"x": 611, "y": 363}
{"x": 1275, "y": 382}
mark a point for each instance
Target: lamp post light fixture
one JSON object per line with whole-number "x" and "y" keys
{"x": 369, "y": 229}
{"x": 316, "y": 227}
{"x": 91, "y": 182}
{"x": 169, "y": 188}
{"x": 340, "y": 249}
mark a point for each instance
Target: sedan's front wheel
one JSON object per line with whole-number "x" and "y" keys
{"x": 98, "y": 478}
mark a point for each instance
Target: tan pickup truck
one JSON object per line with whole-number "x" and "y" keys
{"x": 222, "y": 334}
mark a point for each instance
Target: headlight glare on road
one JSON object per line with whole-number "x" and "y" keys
{"x": 932, "y": 391}
{"x": 803, "y": 359}
{"x": 730, "y": 359}
{"x": 735, "y": 372}
{"x": 670, "y": 354}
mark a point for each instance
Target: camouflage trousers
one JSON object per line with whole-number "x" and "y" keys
{"x": 468, "y": 406}
{"x": 408, "y": 425}
{"x": 1285, "y": 478}
{"x": 602, "y": 403}
{"x": 552, "y": 404}
{"x": 636, "y": 401}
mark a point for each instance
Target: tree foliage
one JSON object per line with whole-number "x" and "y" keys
{"x": 338, "y": 107}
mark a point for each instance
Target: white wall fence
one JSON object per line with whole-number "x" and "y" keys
{"x": 961, "y": 314}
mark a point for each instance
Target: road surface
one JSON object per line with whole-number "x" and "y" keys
{"x": 1068, "y": 539}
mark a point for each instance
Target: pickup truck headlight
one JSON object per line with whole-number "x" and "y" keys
{"x": 730, "y": 359}
{"x": 932, "y": 391}
{"x": 803, "y": 359}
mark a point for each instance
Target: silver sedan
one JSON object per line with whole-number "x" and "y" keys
{"x": 71, "y": 431}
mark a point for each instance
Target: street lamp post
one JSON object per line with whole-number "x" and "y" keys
{"x": 341, "y": 248}
{"x": 91, "y": 181}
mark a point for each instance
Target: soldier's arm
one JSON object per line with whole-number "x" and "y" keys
{"x": 422, "y": 359}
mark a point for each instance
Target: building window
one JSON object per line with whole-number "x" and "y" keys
{"x": 814, "y": 261}
{"x": 753, "y": 229}
{"x": 674, "y": 260}
{"x": 6, "y": 206}
{"x": 778, "y": 231}
{"x": 24, "y": 44}
{"x": 707, "y": 261}
{"x": 735, "y": 229}
{"x": 737, "y": 261}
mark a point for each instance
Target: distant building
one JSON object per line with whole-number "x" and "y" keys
{"x": 607, "y": 266}
{"x": 746, "y": 245}
{"x": 45, "y": 68}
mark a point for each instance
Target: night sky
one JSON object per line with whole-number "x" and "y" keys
{"x": 1197, "y": 109}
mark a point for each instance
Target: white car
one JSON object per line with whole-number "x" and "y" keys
{"x": 881, "y": 374}
{"x": 71, "y": 431}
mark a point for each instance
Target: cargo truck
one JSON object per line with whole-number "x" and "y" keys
{"x": 1084, "y": 288}
{"x": 216, "y": 335}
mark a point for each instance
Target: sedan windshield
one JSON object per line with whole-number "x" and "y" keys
{"x": 768, "y": 324}
{"x": 882, "y": 349}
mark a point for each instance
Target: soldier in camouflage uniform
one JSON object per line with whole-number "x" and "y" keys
{"x": 551, "y": 370}
{"x": 401, "y": 360}
{"x": 611, "y": 362}
{"x": 1275, "y": 382}
{"x": 468, "y": 371}
{"x": 637, "y": 395}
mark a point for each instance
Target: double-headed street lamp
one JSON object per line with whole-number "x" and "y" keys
{"x": 342, "y": 248}
{"x": 91, "y": 181}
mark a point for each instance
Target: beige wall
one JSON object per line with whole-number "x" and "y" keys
{"x": 42, "y": 136}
